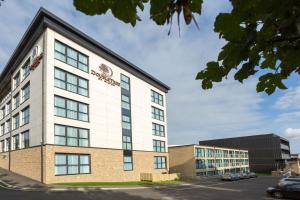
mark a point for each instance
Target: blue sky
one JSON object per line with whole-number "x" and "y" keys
{"x": 229, "y": 109}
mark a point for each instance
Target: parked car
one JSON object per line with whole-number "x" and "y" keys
{"x": 289, "y": 180}
{"x": 230, "y": 177}
{"x": 252, "y": 175}
{"x": 291, "y": 191}
{"x": 243, "y": 175}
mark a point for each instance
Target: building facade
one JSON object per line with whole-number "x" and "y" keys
{"x": 266, "y": 152}
{"x": 72, "y": 110}
{"x": 198, "y": 160}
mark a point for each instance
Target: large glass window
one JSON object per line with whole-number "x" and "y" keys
{"x": 157, "y": 114}
{"x": 70, "y": 82}
{"x": 26, "y": 69}
{"x": 125, "y": 102}
{"x": 72, "y": 164}
{"x": 128, "y": 166}
{"x": 70, "y": 109}
{"x": 2, "y": 146}
{"x": 200, "y": 152}
{"x": 160, "y": 162}
{"x": 125, "y": 82}
{"x": 8, "y": 107}
{"x": 17, "y": 80}
{"x": 200, "y": 164}
{"x": 8, "y": 126}
{"x": 157, "y": 98}
{"x": 16, "y": 142}
{"x": 2, "y": 129}
{"x": 26, "y": 92}
{"x": 71, "y": 136}
{"x": 210, "y": 153}
{"x": 16, "y": 100}
{"x": 158, "y": 130}
{"x": 126, "y": 122}
{"x": 26, "y": 115}
{"x": 16, "y": 121}
{"x": 127, "y": 142}
{"x": 71, "y": 56}
{"x": 25, "y": 139}
{"x": 159, "y": 146}
{"x": 7, "y": 146}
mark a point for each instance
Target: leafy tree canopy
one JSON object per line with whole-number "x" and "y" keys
{"x": 261, "y": 35}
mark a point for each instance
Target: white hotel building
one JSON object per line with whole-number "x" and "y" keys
{"x": 72, "y": 110}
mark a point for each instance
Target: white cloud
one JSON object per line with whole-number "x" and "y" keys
{"x": 290, "y": 99}
{"x": 292, "y": 133}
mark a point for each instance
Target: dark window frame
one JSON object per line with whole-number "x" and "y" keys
{"x": 158, "y": 130}
{"x": 159, "y": 146}
{"x": 67, "y": 164}
{"x": 66, "y": 109}
{"x": 157, "y": 98}
{"x": 25, "y": 143}
{"x": 65, "y": 54}
{"x": 159, "y": 165}
{"x": 25, "y": 117}
{"x": 158, "y": 116}
{"x": 66, "y": 136}
{"x": 78, "y": 78}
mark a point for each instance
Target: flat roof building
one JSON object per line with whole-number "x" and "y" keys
{"x": 70, "y": 106}
{"x": 267, "y": 152}
{"x": 198, "y": 160}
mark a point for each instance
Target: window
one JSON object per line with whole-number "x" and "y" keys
{"x": 16, "y": 100}
{"x": 8, "y": 126}
{"x": 16, "y": 142}
{"x": 26, "y": 69}
{"x": 70, "y": 82}
{"x": 160, "y": 162}
{"x": 70, "y": 109}
{"x": 157, "y": 114}
{"x": 210, "y": 153}
{"x": 159, "y": 146}
{"x": 7, "y": 146}
{"x": 126, "y": 122}
{"x": 210, "y": 163}
{"x": 2, "y": 129}
{"x": 200, "y": 164}
{"x": 2, "y": 146}
{"x": 71, "y": 136}
{"x": 25, "y": 139}
{"x": 17, "y": 80}
{"x": 16, "y": 121}
{"x": 125, "y": 102}
{"x": 71, "y": 56}
{"x": 26, "y": 92}
{"x": 8, "y": 107}
{"x": 125, "y": 82}
{"x": 158, "y": 130}
{"x": 3, "y": 112}
{"x": 25, "y": 115}
{"x": 72, "y": 164}
{"x": 157, "y": 98}
{"x": 200, "y": 152}
{"x": 127, "y": 142}
{"x": 128, "y": 166}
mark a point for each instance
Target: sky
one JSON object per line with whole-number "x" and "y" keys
{"x": 229, "y": 109}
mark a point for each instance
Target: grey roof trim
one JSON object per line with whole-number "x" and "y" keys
{"x": 44, "y": 19}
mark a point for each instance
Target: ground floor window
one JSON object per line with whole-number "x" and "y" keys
{"x": 160, "y": 162}
{"x": 66, "y": 164}
{"x": 128, "y": 166}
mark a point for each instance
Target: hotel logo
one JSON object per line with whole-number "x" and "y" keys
{"x": 105, "y": 74}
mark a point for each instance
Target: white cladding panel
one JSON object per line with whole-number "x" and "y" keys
{"x": 104, "y": 102}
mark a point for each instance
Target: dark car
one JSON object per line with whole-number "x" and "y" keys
{"x": 289, "y": 180}
{"x": 291, "y": 191}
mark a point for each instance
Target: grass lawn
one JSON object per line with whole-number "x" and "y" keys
{"x": 121, "y": 184}
{"x": 263, "y": 174}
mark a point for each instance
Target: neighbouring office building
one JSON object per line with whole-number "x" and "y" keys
{"x": 267, "y": 152}
{"x": 73, "y": 110}
{"x": 198, "y": 160}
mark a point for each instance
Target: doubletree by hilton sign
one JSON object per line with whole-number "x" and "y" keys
{"x": 105, "y": 74}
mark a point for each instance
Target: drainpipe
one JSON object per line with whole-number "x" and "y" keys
{"x": 10, "y": 117}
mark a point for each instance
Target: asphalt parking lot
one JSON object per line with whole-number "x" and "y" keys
{"x": 251, "y": 189}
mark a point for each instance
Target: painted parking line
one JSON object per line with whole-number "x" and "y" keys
{"x": 207, "y": 187}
